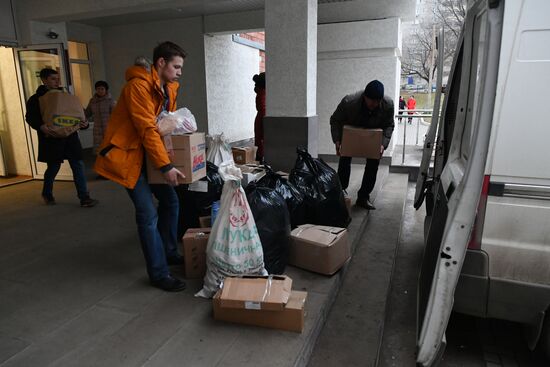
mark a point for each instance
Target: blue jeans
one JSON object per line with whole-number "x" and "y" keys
{"x": 77, "y": 166}
{"x": 157, "y": 229}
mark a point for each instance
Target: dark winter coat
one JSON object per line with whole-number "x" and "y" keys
{"x": 402, "y": 104}
{"x": 51, "y": 149}
{"x": 352, "y": 111}
{"x": 259, "y": 122}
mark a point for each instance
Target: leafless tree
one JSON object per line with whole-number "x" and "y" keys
{"x": 417, "y": 46}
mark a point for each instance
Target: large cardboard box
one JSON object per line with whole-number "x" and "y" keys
{"x": 291, "y": 318}
{"x": 320, "y": 249}
{"x": 244, "y": 155}
{"x": 194, "y": 252}
{"x": 270, "y": 293}
{"x": 189, "y": 157}
{"x": 359, "y": 142}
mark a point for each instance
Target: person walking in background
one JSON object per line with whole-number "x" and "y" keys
{"x": 402, "y": 106}
{"x": 54, "y": 150}
{"x": 259, "y": 88}
{"x": 131, "y": 133}
{"x": 99, "y": 109}
{"x": 411, "y": 106}
{"x": 369, "y": 109}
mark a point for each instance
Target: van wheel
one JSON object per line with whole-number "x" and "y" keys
{"x": 544, "y": 341}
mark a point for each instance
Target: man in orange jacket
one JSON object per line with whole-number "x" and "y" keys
{"x": 131, "y": 133}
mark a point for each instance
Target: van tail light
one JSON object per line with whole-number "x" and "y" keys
{"x": 477, "y": 231}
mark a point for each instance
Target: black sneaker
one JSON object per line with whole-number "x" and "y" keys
{"x": 169, "y": 284}
{"x": 88, "y": 202}
{"x": 175, "y": 260}
{"x": 365, "y": 204}
{"x": 48, "y": 199}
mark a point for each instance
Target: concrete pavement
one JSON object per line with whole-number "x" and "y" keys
{"x": 73, "y": 292}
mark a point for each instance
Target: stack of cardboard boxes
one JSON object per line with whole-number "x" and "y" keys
{"x": 261, "y": 301}
{"x": 194, "y": 252}
{"x": 244, "y": 158}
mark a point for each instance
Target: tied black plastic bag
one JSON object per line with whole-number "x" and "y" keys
{"x": 294, "y": 198}
{"x": 322, "y": 190}
{"x": 194, "y": 204}
{"x": 272, "y": 220}
{"x": 215, "y": 187}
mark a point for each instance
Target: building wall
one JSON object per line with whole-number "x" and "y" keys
{"x": 12, "y": 125}
{"x": 349, "y": 56}
{"x": 258, "y": 37}
{"x": 123, "y": 43}
{"x": 92, "y": 37}
{"x": 230, "y": 89}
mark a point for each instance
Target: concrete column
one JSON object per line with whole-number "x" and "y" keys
{"x": 291, "y": 80}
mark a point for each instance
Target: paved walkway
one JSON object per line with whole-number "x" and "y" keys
{"x": 73, "y": 292}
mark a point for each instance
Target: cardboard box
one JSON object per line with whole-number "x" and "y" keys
{"x": 291, "y": 318}
{"x": 194, "y": 252}
{"x": 270, "y": 293}
{"x": 320, "y": 249}
{"x": 358, "y": 142}
{"x": 189, "y": 157}
{"x": 244, "y": 155}
{"x": 205, "y": 222}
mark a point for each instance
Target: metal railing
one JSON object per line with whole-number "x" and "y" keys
{"x": 412, "y": 114}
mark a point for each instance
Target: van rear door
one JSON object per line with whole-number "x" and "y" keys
{"x": 423, "y": 180}
{"x": 458, "y": 190}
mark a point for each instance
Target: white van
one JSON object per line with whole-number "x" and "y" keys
{"x": 487, "y": 230}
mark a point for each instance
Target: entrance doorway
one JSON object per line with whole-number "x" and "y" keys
{"x": 15, "y": 164}
{"x": 29, "y": 61}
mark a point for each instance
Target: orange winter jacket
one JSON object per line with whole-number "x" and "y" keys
{"x": 132, "y": 128}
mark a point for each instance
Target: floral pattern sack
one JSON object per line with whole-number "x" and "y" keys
{"x": 234, "y": 246}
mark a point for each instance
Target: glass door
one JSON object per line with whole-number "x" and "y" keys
{"x": 29, "y": 61}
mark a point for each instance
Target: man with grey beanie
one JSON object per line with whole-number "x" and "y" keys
{"x": 367, "y": 109}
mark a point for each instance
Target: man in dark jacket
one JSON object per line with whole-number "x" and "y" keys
{"x": 368, "y": 109}
{"x": 402, "y": 106}
{"x": 54, "y": 150}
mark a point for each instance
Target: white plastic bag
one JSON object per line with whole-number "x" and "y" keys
{"x": 234, "y": 246}
{"x": 179, "y": 122}
{"x": 219, "y": 150}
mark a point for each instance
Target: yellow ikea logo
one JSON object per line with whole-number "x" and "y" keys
{"x": 65, "y": 121}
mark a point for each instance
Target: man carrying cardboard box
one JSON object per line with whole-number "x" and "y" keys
{"x": 54, "y": 149}
{"x": 368, "y": 109}
{"x": 132, "y": 132}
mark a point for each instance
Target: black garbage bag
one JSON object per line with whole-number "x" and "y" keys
{"x": 215, "y": 186}
{"x": 188, "y": 210}
{"x": 272, "y": 220}
{"x": 321, "y": 187}
{"x": 193, "y": 204}
{"x": 294, "y": 198}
